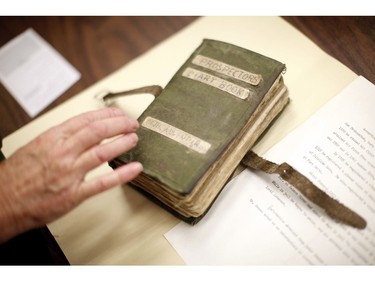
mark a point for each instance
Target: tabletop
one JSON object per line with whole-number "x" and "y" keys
{"x": 97, "y": 46}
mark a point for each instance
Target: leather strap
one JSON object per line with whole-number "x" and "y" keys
{"x": 154, "y": 90}
{"x": 333, "y": 208}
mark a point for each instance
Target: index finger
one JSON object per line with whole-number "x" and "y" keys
{"x": 74, "y": 124}
{"x": 97, "y": 131}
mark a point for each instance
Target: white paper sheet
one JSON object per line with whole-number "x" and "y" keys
{"x": 259, "y": 219}
{"x": 33, "y": 72}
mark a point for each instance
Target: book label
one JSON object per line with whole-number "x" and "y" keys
{"x": 214, "y": 81}
{"x": 227, "y": 69}
{"x": 176, "y": 134}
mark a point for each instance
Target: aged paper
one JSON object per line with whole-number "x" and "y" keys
{"x": 260, "y": 219}
{"x": 216, "y": 82}
{"x": 228, "y": 70}
{"x": 176, "y": 134}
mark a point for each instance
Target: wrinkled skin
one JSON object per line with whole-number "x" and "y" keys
{"x": 45, "y": 179}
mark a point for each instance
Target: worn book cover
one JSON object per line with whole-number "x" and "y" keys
{"x": 195, "y": 133}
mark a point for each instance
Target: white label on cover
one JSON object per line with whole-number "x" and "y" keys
{"x": 227, "y": 69}
{"x": 217, "y": 82}
{"x": 176, "y": 134}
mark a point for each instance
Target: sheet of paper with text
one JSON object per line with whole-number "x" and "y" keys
{"x": 261, "y": 220}
{"x": 33, "y": 72}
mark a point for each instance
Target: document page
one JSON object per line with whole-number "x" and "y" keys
{"x": 33, "y": 72}
{"x": 261, "y": 220}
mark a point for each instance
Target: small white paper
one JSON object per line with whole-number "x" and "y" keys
{"x": 33, "y": 72}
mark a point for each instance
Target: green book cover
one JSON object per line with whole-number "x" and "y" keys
{"x": 199, "y": 113}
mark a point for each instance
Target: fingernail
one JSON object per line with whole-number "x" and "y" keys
{"x": 134, "y": 124}
{"x": 134, "y": 138}
{"x": 137, "y": 166}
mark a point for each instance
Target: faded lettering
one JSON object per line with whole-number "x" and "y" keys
{"x": 217, "y": 82}
{"x": 229, "y": 70}
{"x": 176, "y": 134}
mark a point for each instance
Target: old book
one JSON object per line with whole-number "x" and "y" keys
{"x": 195, "y": 133}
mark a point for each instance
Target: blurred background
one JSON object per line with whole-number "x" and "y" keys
{"x": 97, "y": 46}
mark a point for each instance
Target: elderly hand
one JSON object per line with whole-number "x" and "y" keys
{"x": 46, "y": 178}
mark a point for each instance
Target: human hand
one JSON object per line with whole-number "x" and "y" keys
{"x": 46, "y": 178}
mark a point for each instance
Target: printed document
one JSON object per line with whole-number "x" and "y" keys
{"x": 33, "y": 72}
{"x": 261, "y": 220}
